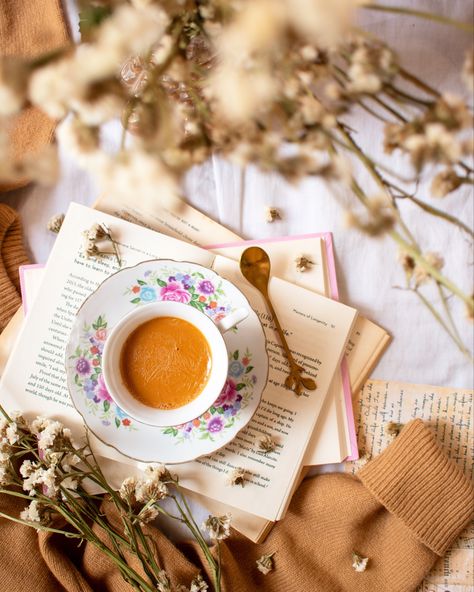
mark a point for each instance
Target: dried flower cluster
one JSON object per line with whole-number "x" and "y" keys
{"x": 266, "y": 563}
{"x": 261, "y": 82}
{"x": 40, "y": 462}
{"x": 359, "y": 563}
{"x": 237, "y": 476}
{"x": 266, "y": 444}
{"x": 95, "y": 237}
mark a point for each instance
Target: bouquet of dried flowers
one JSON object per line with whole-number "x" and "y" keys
{"x": 40, "y": 464}
{"x": 269, "y": 82}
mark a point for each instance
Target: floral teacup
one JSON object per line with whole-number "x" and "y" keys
{"x": 211, "y": 330}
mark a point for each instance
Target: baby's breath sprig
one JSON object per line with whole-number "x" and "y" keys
{"x": 359, "y": 563}
{"x": 97, "y": 233}
{"x": 54, "y": 480}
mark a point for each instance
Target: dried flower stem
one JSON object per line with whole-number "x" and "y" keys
{"x": 431, "y": 16}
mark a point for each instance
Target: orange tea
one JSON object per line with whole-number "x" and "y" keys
{"x": 165, "y": 362}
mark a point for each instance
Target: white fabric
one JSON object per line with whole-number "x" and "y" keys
{"x": 368, "y": 271}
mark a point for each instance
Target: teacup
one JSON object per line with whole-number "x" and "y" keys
{"x": 126, "y": 333}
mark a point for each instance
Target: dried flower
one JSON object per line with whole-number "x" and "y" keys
{"x": 237, "y": 476}
{"x": 198, "y": 584}
{"x": 380, "y": 217}
{"x": 359, "y": 563}
{"x": 422, "y": 275}
{"x": 372, "y": 64}
{"x": 272, "y": 214}
{"x": 362, "y": 460}
{"x": 96, "y": 233}
{"x": 218, "y": 527}
{"x": 303, "y": 263}
{"x": 408, "y": 263}
{"x": 266, "y": 563}
{"x": 35, "y": 512}
{"x": 445, "y": 182}
{"x": 127, "y": 490}
{"x": 266, "y": 444}
{"x": 147, "y": 514}
{"x": 393, "y": 429}
{"x": 55, "y": 223}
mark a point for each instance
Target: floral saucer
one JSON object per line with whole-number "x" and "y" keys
{"x": 197, "y": 286}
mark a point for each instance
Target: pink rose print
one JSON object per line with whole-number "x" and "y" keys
{"x": 101, "y": 390}
{"x": 228, "y": 394}
{"x": 101, "y": 334}
{"x": 175, "y": 292}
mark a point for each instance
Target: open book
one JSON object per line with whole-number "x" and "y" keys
{"x": 317, "y": 326}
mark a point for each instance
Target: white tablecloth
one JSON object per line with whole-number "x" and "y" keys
{"x": 367, "y": 268}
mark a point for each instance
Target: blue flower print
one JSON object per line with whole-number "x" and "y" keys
{"x": 147, "y": 294}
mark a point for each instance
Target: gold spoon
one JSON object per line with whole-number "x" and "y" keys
{"x": 255, "y": 267}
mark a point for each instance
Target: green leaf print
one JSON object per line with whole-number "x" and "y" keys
{"x": 161, "y": 283}
{"x": 136, "y": 300}
{"x": 117, "y": 422}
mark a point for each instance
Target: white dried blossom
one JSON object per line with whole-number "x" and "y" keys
{"x": 50, "y": 433}
{"x": 136, "y": 173}
{"x": 422, "y": 275}
{"x": 163, "y": 582}
{"x": 218, "y": 527}
{"x": 359, "y": 563}
{"x": 53, "y": 86}
{"x": 323, "y": 23}
{"x": 266, "y": 563}
{"x": 436, "y": 144}
{"x": 157, "y": 472}
{"x": 380, "y": 217}
{"x": 147, "y": 514}
{"x": 81, "y": 140}
{"x": 103, "y": 108}
{"x": 237, "y": 476}
{"x": 127, "y": 489}
{"x": 272, "y": 214}
{"x": 393, "y": 428}
{"x": 151, "y": 490}
{"x": 33, "y": 513}
{"x": 266, "y": 444}
{"x": 303, "y": 263}
{"x": 198, "y": 585}
{"x": 445, "y": 182}
{"x": 372, "y": 65}
{"x": 55, "y": 223}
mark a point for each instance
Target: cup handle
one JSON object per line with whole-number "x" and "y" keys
{"x": 232, "y": 319}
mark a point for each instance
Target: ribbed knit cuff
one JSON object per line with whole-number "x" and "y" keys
{"x": 416, "y": 482}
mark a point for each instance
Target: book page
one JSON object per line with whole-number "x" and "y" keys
{"x": 317, "y": 330}
{"x": 366, "y": 344}
{"x": 177, "y": 219}
{"x": 449, "y": 412}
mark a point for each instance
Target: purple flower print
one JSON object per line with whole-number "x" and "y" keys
{"x": 101, "y": 390}
{"x": 206, "y": 287}
{"x": 175, "y": 292}
{"x": 215, "y": 425}
{"x": 83, "y": 366}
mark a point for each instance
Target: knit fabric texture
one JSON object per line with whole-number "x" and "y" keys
{"x": 12, "y": 255}
{"x": 29, "y": 29}
{"x": 408, "y": 505}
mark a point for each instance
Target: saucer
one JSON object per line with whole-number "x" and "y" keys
{"x": 166, "y": 280}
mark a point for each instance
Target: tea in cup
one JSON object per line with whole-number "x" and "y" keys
{"x": 165, "y": 363}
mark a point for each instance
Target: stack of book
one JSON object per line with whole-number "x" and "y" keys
{"x": 319, "y": 426}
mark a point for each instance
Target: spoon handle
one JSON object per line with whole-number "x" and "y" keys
{"x": 281, "y": 335}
